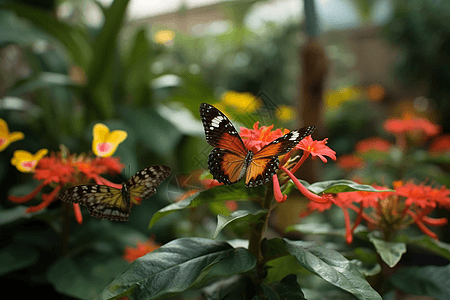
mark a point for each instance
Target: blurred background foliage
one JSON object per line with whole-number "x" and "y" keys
{"x": 65, "y": 65}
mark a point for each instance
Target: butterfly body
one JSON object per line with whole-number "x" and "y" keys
{"x": 105, "y": 202}
{"x": 230, "y": 160}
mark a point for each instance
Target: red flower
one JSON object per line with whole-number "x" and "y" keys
{"x": 416, "y": 128}
{"x": 440, "y": 145}
{"x": 373, "y": 144}
{"x": 60, "y": 171}
{"x": 350, "y": 161}
{"x": 390, "y": 212}
{"x": 254, "y": 139}
{"x": 316, "y": 148}
{"x": 131, "y": 254}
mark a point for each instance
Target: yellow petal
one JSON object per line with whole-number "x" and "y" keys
{"x": 4, "y": 142}
{"x": 23, "y": 155}
{"x": 100, "y": 132}
{"x": 40, "y": 154}
{"x": 15, "y": 136}
{"x": 4, "y": 131}
{"x": 20, "y": 160}
{"x": 116, "y": 137}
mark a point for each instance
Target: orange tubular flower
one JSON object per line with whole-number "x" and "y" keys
{"x": 60, "y": 171}
{"x": 440, "y": 145}
{"x": 6, "y": 137}
{"x": 131, "y": 254}
{"x": 350, "y": 162}
{"x": 417, "y": 128}
{"x": 391, "y": 211}
{"x": 257, "y": 138}
{"x": 373, "y": 144}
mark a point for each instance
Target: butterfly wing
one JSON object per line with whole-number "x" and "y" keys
{"x": 265, "y": 162}
{"x": 144, "y": 183}
{"x": 219, "y": 131}
{"x": 226, "y": 162}
{"x": 103, "y": 202}
{"x": 225, "y": 166}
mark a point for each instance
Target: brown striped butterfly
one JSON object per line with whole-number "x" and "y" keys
{"x": 105, "y": 202}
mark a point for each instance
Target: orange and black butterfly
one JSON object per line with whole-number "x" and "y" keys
{"x": 230, "y": 160}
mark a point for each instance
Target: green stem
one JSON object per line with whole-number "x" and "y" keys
{"x": 257, "y": 233}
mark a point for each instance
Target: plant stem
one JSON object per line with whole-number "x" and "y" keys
{"x": 65, "y": 232}
{"x": 257, "y": 233}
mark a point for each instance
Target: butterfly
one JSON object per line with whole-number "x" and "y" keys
{"x": 105, "y": 202}
{"x": 230, "y": 160}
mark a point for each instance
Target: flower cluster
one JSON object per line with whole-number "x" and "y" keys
{"x": 390, "y": 212}
{"x": 256, "y": 138}
{"x": 62, "y": 169}
{"x": 409, "y": 132}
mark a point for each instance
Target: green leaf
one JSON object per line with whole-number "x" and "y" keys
{"x": 13, "y": 214}
{"x": 85, "y": 277}
{"x": 366, "y": 271}
{"x": 429, "y": 281}
{"x": 16, "y": 256}
{"x": 241, "y": 215}
{"x": 43, "y": 80}
{"x": 286, "y": 289}
{"x": 73, "y": 39}
{"x": 339, "y": 186}
{"x": 215, "y": 194}
{"x": 230, "y": 288}
{"x": 332, "y": 267}
{"x": 390, "y": 252}
{"x": 427, "y": 243}
{"x": 279, "y": 267}
{"x": 324, "y": 229}
{"x": 177, "y": 266}
{"x": 153, "y": 131}
{"x": 105, "y": 44}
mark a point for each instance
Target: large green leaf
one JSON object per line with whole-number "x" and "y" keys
{"x": 16, "y": 256}
{"x": 73, "y": 39}
{"x": 330, "y": 266}
{"x": 215, "y": 194}
{"x": 390, "y": 252}
{"x": 241, "y": 215}
{"x": 429, "y": 281}
{"x": 85, "y": 277}
{"x": 286, "y": 289}
{"x": 339, "y": 186}
{"x": 279, "y": 268}
{"x": 177, "y": 266}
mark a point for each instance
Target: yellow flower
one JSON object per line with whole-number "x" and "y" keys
{"x": 105, "y": 143}
{"x": 285, "y": 113}
{"x": 7, "y": 138}
{"x": 25, "y": 162}
{"x": 164, "y": 36}
{"x": 336, "y": 98}
{"x": 242, "y": 102}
